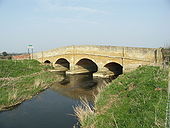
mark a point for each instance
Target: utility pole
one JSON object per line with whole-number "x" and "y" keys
{"x": 29, "y": 53}
{"x": 32, "y": 52}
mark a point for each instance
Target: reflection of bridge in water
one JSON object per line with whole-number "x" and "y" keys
{"x": 101, "y": 60}
{"x": 78, "y": 86}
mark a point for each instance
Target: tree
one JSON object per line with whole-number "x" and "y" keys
{"x": 4, "y": 53}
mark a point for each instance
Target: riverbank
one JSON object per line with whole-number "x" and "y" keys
{"x": 134, "y": 100}
{"x": 21, "y": 80}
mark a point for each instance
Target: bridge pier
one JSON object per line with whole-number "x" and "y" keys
{"x": 59, "y": 67}
{"x": 102, "y": 72}
{"x": 106, "y": 73}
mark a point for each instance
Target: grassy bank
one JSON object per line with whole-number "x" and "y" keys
{"x": 20, "y": 80}
{"x": 134, "y": 100}
{"x": 16, "y": 68}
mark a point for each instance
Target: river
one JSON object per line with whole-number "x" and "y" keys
{"x": 53, "y": 108}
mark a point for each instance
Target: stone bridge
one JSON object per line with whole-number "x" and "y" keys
{"x": 99, "y": 59}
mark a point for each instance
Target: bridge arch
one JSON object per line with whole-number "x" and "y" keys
{"x": 87, "y": 64}
{"x": 62, "y": 62}
{"x": 47, "y": 62}
{"x": 114, "y": 67}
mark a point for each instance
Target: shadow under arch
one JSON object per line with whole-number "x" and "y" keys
{"x": 87, "y": 64}
{"x": 114, "y": 67}
{"x": 62, "y": 62}
{"x": 47, "y": 62}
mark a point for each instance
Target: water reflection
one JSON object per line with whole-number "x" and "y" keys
{"x": 78, "y": 86}
{"x": 53, "y": 107}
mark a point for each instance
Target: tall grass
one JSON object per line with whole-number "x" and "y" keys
{"x": 84, "y": 110}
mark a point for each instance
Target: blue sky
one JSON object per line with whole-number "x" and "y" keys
{"x": 48, "y": 24}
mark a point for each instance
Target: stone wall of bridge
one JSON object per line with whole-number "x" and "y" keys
{"x": 128, "y": 57}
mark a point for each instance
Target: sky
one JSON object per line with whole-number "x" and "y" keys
{"x": 48, "y": 24}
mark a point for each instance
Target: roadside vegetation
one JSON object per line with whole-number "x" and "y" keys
{"x": 134, "y": 100}
{"x": 22, "y": 79}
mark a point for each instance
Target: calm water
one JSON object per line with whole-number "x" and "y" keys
{"x": 52, "y": 108}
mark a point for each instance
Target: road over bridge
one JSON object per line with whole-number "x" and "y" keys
{"x": 99, "y": 59}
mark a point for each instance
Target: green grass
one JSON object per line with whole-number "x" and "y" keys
{"x": 16, "y": 68}
{"x": 14, "y": 92}
{"x": 22, "y": 82}
{"x": 134, "y": 100}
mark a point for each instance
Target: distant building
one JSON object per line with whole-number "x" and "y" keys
{"x": 21, "y": 57}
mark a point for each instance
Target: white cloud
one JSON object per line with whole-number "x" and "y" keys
{"x": 84, "y": 9}
{"x": 51, "y": 5}
{"x": 71, "y": 20}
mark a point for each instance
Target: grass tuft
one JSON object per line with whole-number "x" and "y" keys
{"x": 84, "y": 110}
